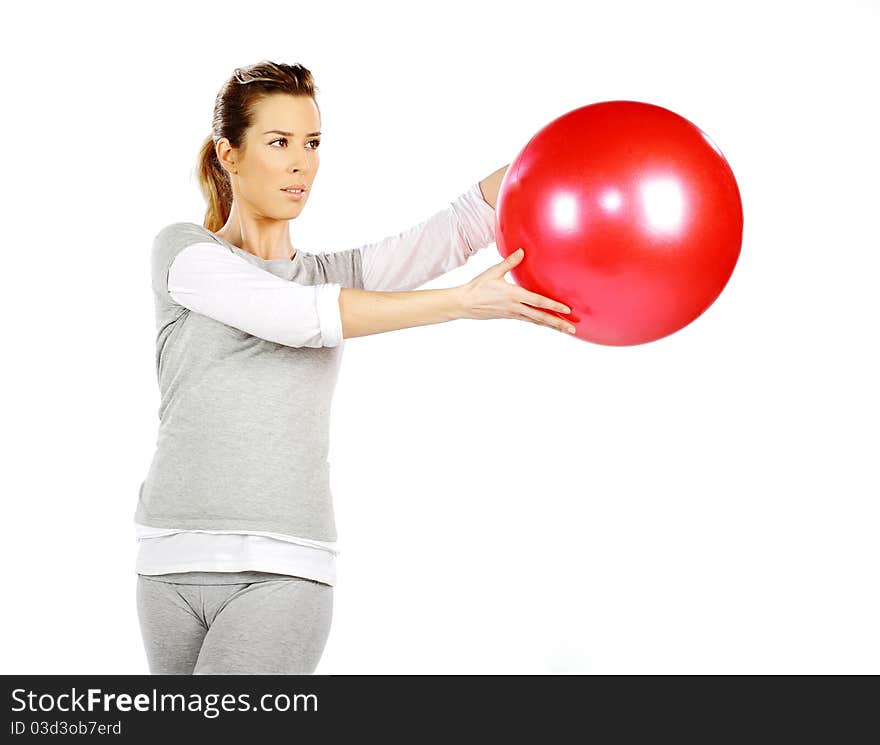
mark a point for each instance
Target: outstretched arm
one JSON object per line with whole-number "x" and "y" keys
{"x": 435, "y": 246}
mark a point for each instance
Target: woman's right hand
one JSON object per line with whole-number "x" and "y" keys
{"x": 490, "y": 295}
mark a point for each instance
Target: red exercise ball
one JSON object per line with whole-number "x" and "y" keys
{"x": 627, "y": 213}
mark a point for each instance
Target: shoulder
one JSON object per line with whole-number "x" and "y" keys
{"x": 182, "y": 231}
{"x": 176, "y": 236}
{"x": 172, "y": 239}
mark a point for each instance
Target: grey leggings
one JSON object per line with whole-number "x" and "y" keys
{"x": 233, "y": 623}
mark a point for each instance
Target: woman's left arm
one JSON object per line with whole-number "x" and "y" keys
{"x": 443, "y": 242}
{"x": 490, "y": 185}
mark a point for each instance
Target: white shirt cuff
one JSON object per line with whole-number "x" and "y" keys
{"x": 329, "y": 315}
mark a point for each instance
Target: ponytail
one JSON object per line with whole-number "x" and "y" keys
{"x": 215, "y": 186}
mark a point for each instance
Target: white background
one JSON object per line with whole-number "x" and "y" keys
{"x": 508, "y": 499}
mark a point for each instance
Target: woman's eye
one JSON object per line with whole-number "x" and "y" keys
{"x": 316, "y": 143}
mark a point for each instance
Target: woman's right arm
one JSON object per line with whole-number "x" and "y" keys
{"x": 370, "y": 312}
{"x": 206, "y": 278}
{"x": 488, "y": 295}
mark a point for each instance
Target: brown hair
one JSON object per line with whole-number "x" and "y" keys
{"x": 234, "y": 109}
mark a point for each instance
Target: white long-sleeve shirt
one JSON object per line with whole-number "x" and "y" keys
{"x": 210, "y": 280}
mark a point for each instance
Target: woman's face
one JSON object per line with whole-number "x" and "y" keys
{"x": 281, "y": 150}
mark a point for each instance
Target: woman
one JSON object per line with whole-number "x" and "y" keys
{"x": 235, "y": 524}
